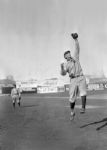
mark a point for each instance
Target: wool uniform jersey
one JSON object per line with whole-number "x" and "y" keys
{"x": 77, "y": 79}
{"x": 15, "y": 94}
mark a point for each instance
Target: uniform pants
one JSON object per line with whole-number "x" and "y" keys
{"x": 77, "y": 88}
{"x": 16, "y": 98}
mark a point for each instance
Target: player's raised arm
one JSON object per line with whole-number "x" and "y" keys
{"x": 77, "y": 47}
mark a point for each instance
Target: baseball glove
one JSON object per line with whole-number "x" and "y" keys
{"x": 63, "y": 72}
{"x": 74, "y": 35}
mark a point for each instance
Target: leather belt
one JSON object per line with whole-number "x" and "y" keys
{"x": 76, "y": 76}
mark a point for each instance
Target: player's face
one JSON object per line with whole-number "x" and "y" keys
{"x": 68, "y": 56}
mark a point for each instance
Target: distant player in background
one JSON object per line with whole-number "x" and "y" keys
{"x": 16, "y": 96}
{"x": 77, "y": 79}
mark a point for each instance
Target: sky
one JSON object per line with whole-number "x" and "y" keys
{"x": 35, "y": 33}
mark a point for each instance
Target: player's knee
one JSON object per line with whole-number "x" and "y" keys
{"x": 72, "y": 100}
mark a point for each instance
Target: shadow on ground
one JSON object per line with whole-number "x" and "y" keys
{"x": 97, "y": 122}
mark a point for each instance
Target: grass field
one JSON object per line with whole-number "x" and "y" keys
{"x": 42, "y": 123}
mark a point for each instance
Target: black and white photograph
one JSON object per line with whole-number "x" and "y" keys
{"x": 53, "y": 75}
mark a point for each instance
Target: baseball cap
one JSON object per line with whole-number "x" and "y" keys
{"x": 66, "y": 52}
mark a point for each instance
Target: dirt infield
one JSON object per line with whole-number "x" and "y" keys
{"x": 42, "y": 123}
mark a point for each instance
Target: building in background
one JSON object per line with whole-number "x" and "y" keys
{"x": 6, "y": 85}
{"x": 54, "y": 85}
{"x": 27, "y": 86}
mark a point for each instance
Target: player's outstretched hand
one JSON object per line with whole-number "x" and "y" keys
{"x": 74, "y": 35}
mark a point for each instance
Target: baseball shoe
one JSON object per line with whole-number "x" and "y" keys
{"x": 82, "y": 111}
{"x": 72, "y": 116}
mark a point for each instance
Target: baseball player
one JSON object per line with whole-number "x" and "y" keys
{"x": 77, "y": 79}
{"x": 16, "y": 96}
